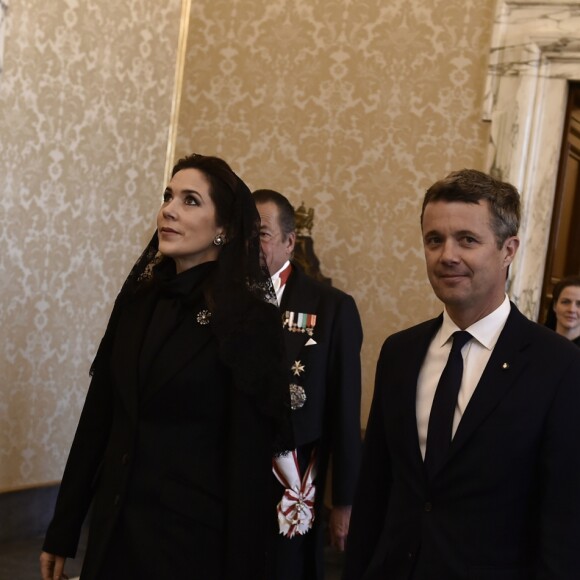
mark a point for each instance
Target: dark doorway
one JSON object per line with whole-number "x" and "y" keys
{"x": 563, "y": 257}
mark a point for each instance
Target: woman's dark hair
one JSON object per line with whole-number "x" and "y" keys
{"x": 248, "y": 331}
{"x": 222, "y": 180}
{"x": 564, "y": 283}
{"x": 239, "y": 260}
{"x": 551, "y": 320}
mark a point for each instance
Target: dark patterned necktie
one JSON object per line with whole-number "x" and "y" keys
{"x": 444, "y": 403}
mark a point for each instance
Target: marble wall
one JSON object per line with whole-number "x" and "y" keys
{"x": 535, "y": 52}
{"x": 353, "y": 108}
{"x": 85, "y": 105}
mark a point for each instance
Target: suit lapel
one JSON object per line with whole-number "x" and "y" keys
{"x": 409, "y": 375}
{"x": 505, "y": 364}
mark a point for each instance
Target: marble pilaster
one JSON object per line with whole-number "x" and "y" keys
{"x": 535, "y": 52}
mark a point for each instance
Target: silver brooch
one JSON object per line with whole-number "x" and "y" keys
{"x": 297, "y": 397}
{"x": 203, "y": 317}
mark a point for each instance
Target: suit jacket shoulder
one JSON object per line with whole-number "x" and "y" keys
{"x": 300, "y": 285}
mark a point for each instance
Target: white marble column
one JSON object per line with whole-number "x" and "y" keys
{"x": 535, "y": 52}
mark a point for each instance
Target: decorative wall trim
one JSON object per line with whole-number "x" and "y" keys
{"x": 3, "y": 18}
{"x": 535, "y": 52}
{"x": 178, "y": 87}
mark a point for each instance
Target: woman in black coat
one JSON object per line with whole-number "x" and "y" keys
{"x": 187, "y": 403}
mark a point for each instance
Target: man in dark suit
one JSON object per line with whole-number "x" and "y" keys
{"x": 490, "y": 490}
{"x": 323, "y": 336}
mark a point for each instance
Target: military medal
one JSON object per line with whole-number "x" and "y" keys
{"x": 297, "y": 396}
{"x": 297, "y": 368}
{"x": 299, "y": 322}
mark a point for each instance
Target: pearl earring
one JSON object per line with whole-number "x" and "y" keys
{"x": 219, "y": 240}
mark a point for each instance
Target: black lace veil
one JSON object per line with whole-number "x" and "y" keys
{"x": 238, "y": 291}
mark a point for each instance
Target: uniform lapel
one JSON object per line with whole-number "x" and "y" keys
{"x": 298, "y": 296}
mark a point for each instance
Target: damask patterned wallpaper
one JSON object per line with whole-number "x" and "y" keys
{"x": 353, "y": 108}
{"x": 85, "y": 104}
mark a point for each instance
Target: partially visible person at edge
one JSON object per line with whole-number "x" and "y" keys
{"x": 564, "y": 311}
{"x": 323, "y": 337}
{"x": 187, "y": 404}
{"x": 471, "y": 464}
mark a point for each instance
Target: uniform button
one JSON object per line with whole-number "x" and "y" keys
{"x": 125, "y": 459}
{"x": 410, "y": 555}
{"x": 428, "y": 506}
{"x": 117, "y": 499}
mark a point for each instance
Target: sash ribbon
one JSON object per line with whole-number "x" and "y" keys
{"x": 296, "y": 508}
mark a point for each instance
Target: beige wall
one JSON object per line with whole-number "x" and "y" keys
{"x": 354, "y": 108}
{"x": 85, "y": 105}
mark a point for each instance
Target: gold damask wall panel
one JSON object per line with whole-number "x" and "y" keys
{"x": 354, "y": 108}
{"x": 85, "y": 106}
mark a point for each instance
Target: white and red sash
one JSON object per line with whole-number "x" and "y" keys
{"x": 296, "y": 508}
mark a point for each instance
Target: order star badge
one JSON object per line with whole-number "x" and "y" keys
{"x": 297, "y": 368}
{"x": 297, "y": 396}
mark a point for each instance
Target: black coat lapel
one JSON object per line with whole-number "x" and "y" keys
{"x": 133, "y": 323}
{"x": 180, "y": 348}
{"x": 506, "y": 363}
{"x": 182, "y": 345}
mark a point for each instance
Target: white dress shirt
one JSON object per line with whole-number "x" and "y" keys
{"x": 276, "y": 282}
{"x": 475, "y": 354}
